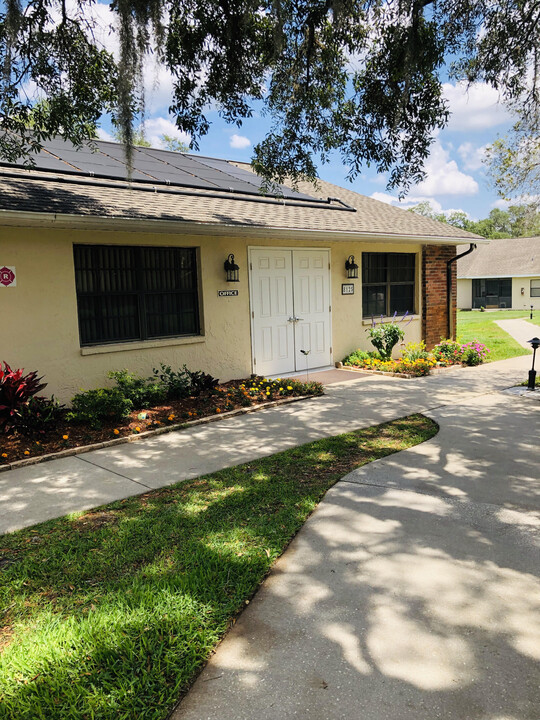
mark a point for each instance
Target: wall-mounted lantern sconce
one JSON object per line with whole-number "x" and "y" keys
{"x": 535, "y": 342}
{"x": 231, "y": 269}
{"x": 351, "y": 267}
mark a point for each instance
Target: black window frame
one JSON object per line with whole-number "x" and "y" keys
{"x": 537, "y": 289}
{"x": 388, "y": 282}
{"x": 143, "y": 288}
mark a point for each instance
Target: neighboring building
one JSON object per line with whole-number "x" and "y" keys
{"x": 503, "y": 274}
{"x": 97, "y": 273}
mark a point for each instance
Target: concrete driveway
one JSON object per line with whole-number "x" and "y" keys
{"x": 412, "y": 593}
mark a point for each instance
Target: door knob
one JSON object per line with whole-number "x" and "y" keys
{"x": 291, "y": 319}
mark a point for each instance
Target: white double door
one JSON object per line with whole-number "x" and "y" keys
{"x": 290, "y": 309}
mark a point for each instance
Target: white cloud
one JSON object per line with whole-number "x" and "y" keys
{"x": 155, "y": 128}
{"x": 471, "y": 155}
{"x": 519, "y": 200}
{"x": 412, "y": 201}
{"x": 474, "y": 108}
{"x": 443, "y": 177}
{"x": 104, "y": 135}
{"x": 385, "y": 198}
{"x": 239, "y": 142}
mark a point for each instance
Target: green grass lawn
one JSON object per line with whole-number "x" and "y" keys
{"x": 111, "y": 613}
{"x": 481, "y": 326}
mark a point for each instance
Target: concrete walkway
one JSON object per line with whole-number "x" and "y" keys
{"x": 520, "y": 330}
{"x": 40, "y": 492}
{"x": 413, "y": 591}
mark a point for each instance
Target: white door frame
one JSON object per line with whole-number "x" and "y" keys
{"x": 250, "y": 283}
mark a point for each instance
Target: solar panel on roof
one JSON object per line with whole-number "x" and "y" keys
{"x": 86, "y": 159}
{"x": 202, "y": 173}
{"x": 248, "y": 177}
{"x": 46, "y": 161}
{"x": 107, "y": 159}
{"x": 158, "y": 163}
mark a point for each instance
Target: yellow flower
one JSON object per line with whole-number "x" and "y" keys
{"x": 171, "y": 417}
{"x": 116, "y": 431}
{"x": 289, "y": 387}
{"x": 65, "y": 437}
{"x": 268, "y": 393}
{"x": 218, "y": 410}
{"x": 4, "y": 454}
{"x": 137, "y": 429}
{"x": 26, "y": 452}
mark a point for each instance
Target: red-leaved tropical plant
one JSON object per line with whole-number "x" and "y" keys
{"x": 15, "y": 391}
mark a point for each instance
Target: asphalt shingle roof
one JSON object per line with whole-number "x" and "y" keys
{"x": 37, "y": 191}
{"x": 509, "y": 257}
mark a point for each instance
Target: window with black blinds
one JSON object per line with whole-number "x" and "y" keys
{"x": 135, "y": 293}
{"x": 388, "y": 283}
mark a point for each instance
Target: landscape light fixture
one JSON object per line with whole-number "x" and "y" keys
{"x": 351, "y": 267}
{"x": 231, "y": 269}
{"x": 535, "y": 342}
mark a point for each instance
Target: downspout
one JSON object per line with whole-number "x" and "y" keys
{"x": 472, "y": 247}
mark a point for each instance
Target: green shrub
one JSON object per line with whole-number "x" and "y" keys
{"x": 140, "y": 391}
{"x": 384, "y": 337}
{"x": 97, "y": 406}
{"x": 415, "y": 351}
{"x": 176, "y": 384}
{"x": 38, "y": 416}
{"x": 183, "y": 383}
{"x": 200, "y": 381}
{"x": 358, "y": 357}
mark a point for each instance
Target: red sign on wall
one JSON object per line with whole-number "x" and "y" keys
{"x": 8, "y": 277}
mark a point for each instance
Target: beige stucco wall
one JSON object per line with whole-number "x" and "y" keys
{"x": 464, "y": 294}
{"x": 519, "y": 301}
{"x": 39, "y": 315}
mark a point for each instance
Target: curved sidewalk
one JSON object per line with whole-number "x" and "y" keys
{"x": 412, "y": 592}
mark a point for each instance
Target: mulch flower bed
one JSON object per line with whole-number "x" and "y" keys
{"x": 224, "y": 398}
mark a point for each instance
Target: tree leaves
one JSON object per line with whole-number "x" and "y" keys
{"x": 361, "y": 78}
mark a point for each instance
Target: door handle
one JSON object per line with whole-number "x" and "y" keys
{"x": 297, "y": 319}
{"x": 292, "y": 319}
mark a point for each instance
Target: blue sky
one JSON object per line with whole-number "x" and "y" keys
{"x": 455, "y": 179}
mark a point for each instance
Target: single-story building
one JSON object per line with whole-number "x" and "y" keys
{"x": 98, "y": 273}
{"x": 503, "y": 274}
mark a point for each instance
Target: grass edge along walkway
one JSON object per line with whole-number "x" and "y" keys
{"x": 482, "y": 327}
{"x": 113, "y": 612}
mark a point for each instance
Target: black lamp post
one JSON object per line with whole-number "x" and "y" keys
{"x": 535, "y": 342}
{"x": 231, "y": 269}
{"x": 351, "y": 267}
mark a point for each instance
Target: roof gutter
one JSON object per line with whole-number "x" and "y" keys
{"x": 451, "y": 329}
{"x": 25, "y": 218}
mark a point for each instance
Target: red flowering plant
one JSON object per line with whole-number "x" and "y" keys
{"x": 16, "y": 390}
